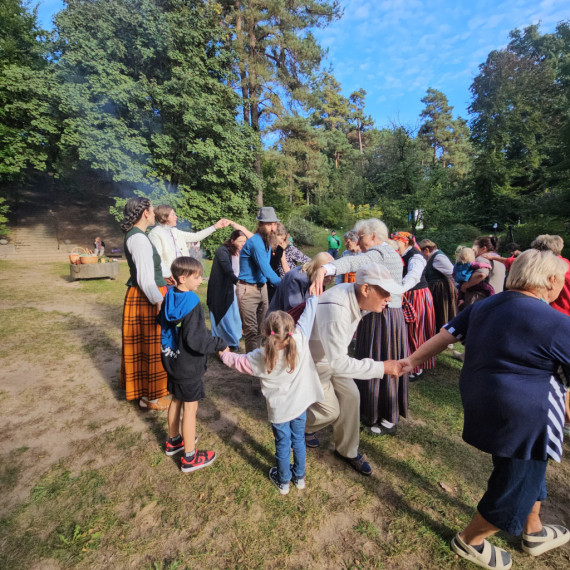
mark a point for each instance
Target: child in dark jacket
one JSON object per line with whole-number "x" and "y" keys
{"x": 186, "y": 344}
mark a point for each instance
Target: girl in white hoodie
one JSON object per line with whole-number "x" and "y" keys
{"x": 290, "y": 384}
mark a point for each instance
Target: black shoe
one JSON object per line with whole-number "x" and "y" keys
{"x": 358, "y": 463}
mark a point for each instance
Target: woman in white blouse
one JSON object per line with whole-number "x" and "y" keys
{"x": 170, "y": 242}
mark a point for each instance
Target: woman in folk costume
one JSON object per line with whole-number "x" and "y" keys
{"x": 439, "y": 276}
{"x": 417, "y": 301}
{"x": 142, "y": 374}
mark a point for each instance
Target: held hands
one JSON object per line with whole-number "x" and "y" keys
{"x": 220, "y": 352}
{"x": 222, "y": 223}
{"x": 397, "y": 367}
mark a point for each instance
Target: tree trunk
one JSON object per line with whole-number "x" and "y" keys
{"x": 242, "y": 68}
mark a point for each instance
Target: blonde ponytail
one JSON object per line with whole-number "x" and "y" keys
{"x": 278, "y": 328}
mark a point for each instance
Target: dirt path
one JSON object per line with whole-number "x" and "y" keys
{"x": 85, "y": 483}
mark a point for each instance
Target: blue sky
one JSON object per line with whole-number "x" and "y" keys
{"x": 396, "y": 49}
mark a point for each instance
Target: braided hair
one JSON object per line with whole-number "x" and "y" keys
{"x": 133, "y": 212}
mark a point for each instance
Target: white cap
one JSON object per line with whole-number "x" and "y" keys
{"x": 376, "y": 274}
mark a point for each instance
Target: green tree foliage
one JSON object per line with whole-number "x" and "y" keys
{"x": 27, "y": 126}
{"x": 277, "y": 55}
{"x": 520, "y": 103}
{"x": 436, "y": 129}
{"x": 301, "y": 165}
{"x": 145, "y": 96}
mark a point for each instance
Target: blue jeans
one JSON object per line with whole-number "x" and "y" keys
{"x": 333, "y": 252}
{"x": 290, "y": 435}
{"x": 513, "y": 488}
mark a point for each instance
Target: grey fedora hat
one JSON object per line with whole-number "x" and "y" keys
{"x": 267, "y": 215}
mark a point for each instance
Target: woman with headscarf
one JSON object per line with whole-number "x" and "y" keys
{"x": 418, "y": 301}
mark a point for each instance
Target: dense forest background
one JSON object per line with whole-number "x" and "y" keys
{"x": 219, "y": 106}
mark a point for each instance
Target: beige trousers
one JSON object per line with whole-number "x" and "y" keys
{"x": 341, "y": 408}
{"x": 253, "y": 304}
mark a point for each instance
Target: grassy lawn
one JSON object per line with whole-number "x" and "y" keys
{"x": 86, "y": 484}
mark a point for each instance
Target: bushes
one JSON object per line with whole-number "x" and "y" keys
{"x": 4, "y": 208}
{"x": 302, "y": 231}
{"x": 447, "y": 239}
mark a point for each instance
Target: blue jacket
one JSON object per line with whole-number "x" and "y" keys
{"x": 254, "y": 261}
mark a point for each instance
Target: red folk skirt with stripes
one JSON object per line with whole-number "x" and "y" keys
{"x": 382, "y": 336}
{"x": 142, "y": 373}
{"x": 422, "y": 328}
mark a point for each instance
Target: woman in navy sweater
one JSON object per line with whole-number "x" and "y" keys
{"x": 513, "y": 386}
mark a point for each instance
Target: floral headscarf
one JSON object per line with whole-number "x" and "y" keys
{"x": 407, "y": 238}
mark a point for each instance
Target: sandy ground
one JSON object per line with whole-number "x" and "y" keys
{"x": 55, "y": 399}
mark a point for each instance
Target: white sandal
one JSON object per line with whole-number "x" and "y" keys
{"x": 492, "y": 557}
{"x": 555, "y": 536}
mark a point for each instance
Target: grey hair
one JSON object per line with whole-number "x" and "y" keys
{"x": 546, "y": 242}
{"x": 351, "y": 235}
{"x": 532, "y": 270}
{"x": 372, "y": 226}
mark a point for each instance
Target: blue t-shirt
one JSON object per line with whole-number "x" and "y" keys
{"x": 517, "y": 352}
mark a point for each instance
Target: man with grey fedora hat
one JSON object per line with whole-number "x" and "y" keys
{"x": 254, "y": 273}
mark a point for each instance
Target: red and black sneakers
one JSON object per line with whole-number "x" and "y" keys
{"x": 197, "y": 461}
{"x": 174, "y": 445}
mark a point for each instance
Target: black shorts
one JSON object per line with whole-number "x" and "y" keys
{"x": 190, "y": 391}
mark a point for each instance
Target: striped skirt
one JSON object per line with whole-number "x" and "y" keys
{"x": 444, "y": 296}
{"x": 142, "y": 373}
{"x": 382, "y": 336}
{"x": 423, "y": 327}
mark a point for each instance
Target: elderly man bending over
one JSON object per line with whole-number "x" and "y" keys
{"x": 338, "y": 313}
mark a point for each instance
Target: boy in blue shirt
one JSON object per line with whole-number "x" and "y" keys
{"x": 186, "y": 344}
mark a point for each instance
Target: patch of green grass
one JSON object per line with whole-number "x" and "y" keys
{"x": 366, "y": 528}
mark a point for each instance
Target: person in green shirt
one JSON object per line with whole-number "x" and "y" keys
{"x": 334, "y": 244}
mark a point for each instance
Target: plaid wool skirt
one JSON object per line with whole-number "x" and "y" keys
{"x": 142, "y": 373}
{"x": 422, "y": 328}
{"x": 382, "y": 336}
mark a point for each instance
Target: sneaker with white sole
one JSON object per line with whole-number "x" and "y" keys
{"x": 274, "y": 478}
{"x": 174, "y": 445}
{"x": 199, "y": 460}
{"x": 300, "y": 482}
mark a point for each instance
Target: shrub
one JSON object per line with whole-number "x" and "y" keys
{"x": 447, "y": 239}
{"x": 302, "y": 231}
{"x": 4, "y": 208}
